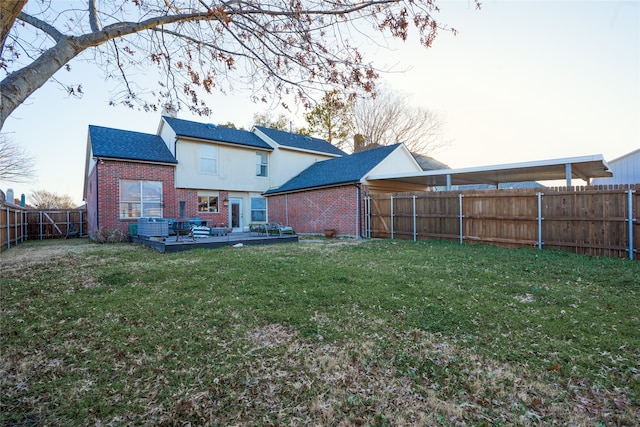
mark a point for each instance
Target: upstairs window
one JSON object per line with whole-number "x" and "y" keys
{"x": 209, "y": 159}
{"x": 262, "y": 164}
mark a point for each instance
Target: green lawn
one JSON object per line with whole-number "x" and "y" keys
{"x": 326, "y": 332}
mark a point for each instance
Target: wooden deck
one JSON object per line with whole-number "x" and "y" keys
{"x": 185, "y": 243}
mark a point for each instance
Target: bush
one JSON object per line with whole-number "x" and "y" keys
{"x": 114, "y": 235}
{"x": 117, "y": 236}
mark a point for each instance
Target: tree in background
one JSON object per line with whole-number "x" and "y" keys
{"x": 281, "y": 122}
{"x": 43, "y": 199}
{"x": 275, "y": 48}
{"x": 389, "y": 118}
{"x": 267, "y": 120}
{"x": 331, "y": 118}
{"x": 16, "y": 165}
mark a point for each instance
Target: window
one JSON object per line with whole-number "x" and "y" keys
{"x": 209, "y": 159}
{"x": 207, "y": 203}
{"x": 262, "y": 164}
{"x": 258, "y": 209}
{"x": 140, "y": 199}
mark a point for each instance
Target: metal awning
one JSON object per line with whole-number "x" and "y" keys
{"x": 585, "y": 167}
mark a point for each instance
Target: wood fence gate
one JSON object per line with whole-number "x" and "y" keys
{"x": 599, "y": 220}
{"x": 18, "y": 224}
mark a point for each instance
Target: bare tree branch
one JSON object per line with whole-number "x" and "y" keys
{"x": 16, "y": 165}
{"x": 276, "y": 47}
{"x": 389, "y": 118}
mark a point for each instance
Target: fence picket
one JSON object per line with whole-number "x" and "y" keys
{"x": 18, "y": 224}
{"x": 600, "y": 221}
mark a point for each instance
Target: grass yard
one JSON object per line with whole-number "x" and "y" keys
{"x": 328, "y": 332}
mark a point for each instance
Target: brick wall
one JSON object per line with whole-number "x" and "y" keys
{"x": 104, "y": 206}
{"x": 314, "y": 211}
{"x": 190, "y": 197}
{"x": 91, "y": 201}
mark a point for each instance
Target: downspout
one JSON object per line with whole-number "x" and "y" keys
{"x": 97, "y": 196}
{"x": 359, "y": 211}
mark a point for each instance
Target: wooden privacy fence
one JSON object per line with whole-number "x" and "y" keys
{"x": 599, "y": 221}
{"x": 18, "y": 224}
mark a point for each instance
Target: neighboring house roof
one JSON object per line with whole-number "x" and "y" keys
{"x": 626, "y": 170}
{"x": 428, "y": 163}
{"x": 339, "y": 171}
{"x": 301, "y": 142}
{"x": 127, "y": 145}
{"x": 211, "y": 132}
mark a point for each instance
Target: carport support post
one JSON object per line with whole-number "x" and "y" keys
{"x": 630, "y": 219}
{"x": 460, "y": 206}
{"x": 567, "y": 173}
{"x": 539, "y": 220}
{"x": 414, "y": 218}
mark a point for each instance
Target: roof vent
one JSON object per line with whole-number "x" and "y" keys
{"x": 211, "y": 126}
{"x": 308, "y": 138}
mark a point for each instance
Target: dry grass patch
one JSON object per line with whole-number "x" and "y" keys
{"x": 374, "y": 333}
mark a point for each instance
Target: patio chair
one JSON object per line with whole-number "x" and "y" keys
{"x": 275, "y": 227}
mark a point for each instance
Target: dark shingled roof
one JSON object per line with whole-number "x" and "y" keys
{"x": 127, "y": 145}
{"x": 212, "y": 132}
{"x": 341, "y": 170}
{"x": 302, "y": 142}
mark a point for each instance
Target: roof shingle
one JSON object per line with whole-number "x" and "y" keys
{"x": 127, "y": 145}
{"x": 341, "y": 170}
{"x": 302, "y": 142}
{"x": 212, "y": 132}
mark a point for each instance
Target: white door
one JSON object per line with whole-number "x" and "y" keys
{"x": 235, "y": 214}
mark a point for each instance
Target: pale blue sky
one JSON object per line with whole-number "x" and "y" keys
{"x": 523, "y": 80}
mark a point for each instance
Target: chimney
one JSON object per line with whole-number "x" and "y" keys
{"x": 170, "y": 111}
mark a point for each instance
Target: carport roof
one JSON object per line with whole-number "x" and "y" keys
{"x": 585, "y": 167}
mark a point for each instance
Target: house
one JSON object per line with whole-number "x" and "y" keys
{"x": 229, "y": 176}
{"x": 626, "y": 170}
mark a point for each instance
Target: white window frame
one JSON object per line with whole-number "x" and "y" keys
{"x": 262, "y": 164}
{"x": 136, "y": 208}
{"x": 208, "y": 202}
{"x": 253, "y": 210}
{"x": 208, "y": 159}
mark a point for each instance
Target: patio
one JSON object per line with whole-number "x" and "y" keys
{"x": 185, "y": 243}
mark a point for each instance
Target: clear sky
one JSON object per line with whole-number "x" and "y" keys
{"x": 522, "y": 80}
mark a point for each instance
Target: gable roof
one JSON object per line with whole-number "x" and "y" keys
{"x": 301, "y": 142}
{"x": 211, "y": 132}
{"x": 339, "y": 171}
{"x": 127, "y": 145}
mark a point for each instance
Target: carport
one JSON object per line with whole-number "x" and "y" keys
{"x": 584, "y": 167}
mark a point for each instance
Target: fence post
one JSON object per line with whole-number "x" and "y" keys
{"x": 81, "y": 220}
{"x": 40, "y": 224}
{"x": 539, "y": 220}
{"x": 460, "y": 205}
{"x": 8, "y": 229}
{"x": 391, "y": 214}
{"x": 15, "y": 225}
{"x": 23, "y": 220}
{"x": 415, "y": 231}
{"x": 630, "y": 219}
{"x": 367, "y": 207}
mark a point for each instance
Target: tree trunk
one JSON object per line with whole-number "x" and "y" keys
{"x": 19, "y": 85}
{"x": 9, "y": 11}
